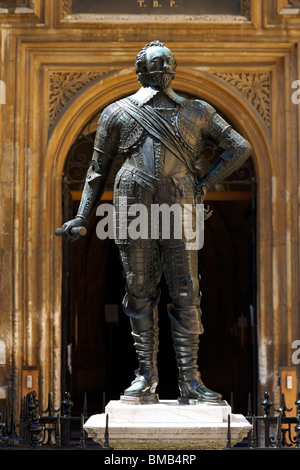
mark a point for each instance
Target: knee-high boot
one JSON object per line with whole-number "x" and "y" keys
{"x": 145, "y": 334}
{"x": 186, "y": 327}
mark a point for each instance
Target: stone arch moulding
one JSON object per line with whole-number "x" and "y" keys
{"x": 98, "y": 94}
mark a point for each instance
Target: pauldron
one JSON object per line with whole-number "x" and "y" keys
{"x": 130, "y": 134}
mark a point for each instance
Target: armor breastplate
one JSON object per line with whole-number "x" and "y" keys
{"x": 145, "y": 152}
{"x": 189, "y": 121}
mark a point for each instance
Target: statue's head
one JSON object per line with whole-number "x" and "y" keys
{"x": 155, "y": 65}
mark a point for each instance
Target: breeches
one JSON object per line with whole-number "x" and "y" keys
{"x": 144, "y": 262}
{"x": 145, "y": 259}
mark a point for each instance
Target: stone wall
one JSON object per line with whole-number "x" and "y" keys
{"x": 59, "y": 68}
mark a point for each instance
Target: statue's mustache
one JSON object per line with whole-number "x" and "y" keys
{"x": 162, "y": 72}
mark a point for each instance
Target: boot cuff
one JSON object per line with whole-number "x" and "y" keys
{"x": 137, "y": 308}
{"x": 187, "y": 320}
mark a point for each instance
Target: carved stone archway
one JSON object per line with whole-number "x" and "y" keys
{"x": 233, "y": 104}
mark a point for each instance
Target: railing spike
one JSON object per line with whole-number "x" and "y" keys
{"x": 228, "y": 444}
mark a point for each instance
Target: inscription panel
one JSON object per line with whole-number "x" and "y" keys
{"x": 158, "y": 7}
{"x": 14, "y": 3}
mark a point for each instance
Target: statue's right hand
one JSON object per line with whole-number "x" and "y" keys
{"x": 72, "y": 230}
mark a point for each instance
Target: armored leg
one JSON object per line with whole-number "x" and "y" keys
{"x": 140, "y": 305}
{"x": 145, "y": 334}
{"x": 181, "y": 272}
{"x": 186, "y": 327}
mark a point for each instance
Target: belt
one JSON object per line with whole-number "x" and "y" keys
{"x": 153, "y": 184}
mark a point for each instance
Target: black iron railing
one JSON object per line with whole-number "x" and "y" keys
{"x": 279, "y": 431}
{"x": 51, "y": 428}
{"x": 58, "y": 428}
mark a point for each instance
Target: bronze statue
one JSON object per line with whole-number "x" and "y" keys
{"x": 160, "y": 134}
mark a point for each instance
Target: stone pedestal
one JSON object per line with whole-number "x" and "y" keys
{"x": 167, "y": 426}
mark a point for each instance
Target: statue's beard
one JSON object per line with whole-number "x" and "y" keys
{"x": 162, "y": 79}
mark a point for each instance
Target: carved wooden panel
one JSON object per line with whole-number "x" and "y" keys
{"x": 255, "y": 87}
{"x": 63, "y": 86}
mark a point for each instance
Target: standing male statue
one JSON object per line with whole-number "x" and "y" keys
{"x": 159, "y": 135}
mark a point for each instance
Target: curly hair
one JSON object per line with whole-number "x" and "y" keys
{"x": 140, "y": 63}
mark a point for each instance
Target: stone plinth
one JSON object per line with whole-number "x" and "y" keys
{"x": 167, "y": 426}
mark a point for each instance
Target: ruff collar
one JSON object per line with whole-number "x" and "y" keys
{"x": 145, "y": 94}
